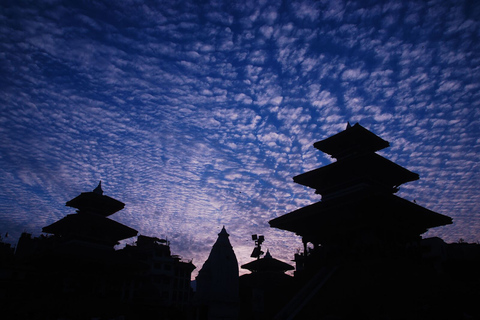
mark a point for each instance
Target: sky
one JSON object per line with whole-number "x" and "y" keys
{"x": 197, "y": 114}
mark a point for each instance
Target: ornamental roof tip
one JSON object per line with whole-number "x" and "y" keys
{"x": 98, "y": 189}
{"x": 223, "y": 232}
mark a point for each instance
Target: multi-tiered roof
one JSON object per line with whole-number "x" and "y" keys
{"x": 267, "y": 264}
{"x": 90, "y": 223}
{"x": 358, "y": 195}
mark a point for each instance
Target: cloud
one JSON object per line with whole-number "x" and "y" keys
{"x": 199, "y": 116}
{"x": 306, "y": 10}
{"x": 354, "y": 74}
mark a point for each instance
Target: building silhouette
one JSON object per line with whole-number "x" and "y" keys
{"x": 364, "y": 257}
{"x": 76, "y": 273}
{"x": 359, "y": 214}
{"x": 89, "y": 228}
{"x": 163, "y": 288}
{"x": 217, "y": 295}
{"x": 266, "y": 289}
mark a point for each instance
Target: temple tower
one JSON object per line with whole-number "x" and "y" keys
{"x": 75, "y": 273}
{"x": 90, "y": 224}
{"x": 217, "y": 282}
{"x": 359, "y": 214}
{"x": 266, "y": 289}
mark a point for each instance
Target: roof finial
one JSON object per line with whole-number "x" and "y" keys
{"x": 223, "y": 232}
{"x": 348, "y": 125}
{"x": 98, "y": 189}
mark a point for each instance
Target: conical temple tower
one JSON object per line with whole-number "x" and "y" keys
{"x": 359, "y": 215}
{"x": 217, "y": 282}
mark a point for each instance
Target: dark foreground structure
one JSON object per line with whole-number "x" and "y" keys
{"x": 364, "y": 257}
{"x": 75, "y": 272}
{"x": 217, "y": 283}
{"x": 266, "y": 288}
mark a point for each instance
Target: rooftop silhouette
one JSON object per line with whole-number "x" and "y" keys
{"x": 359, "y": 215}
{"x": 363, "y": 258}
{"x": 75, "y": 273}
{"x": 363, "y": 255}
{"x": 217, "y": 282}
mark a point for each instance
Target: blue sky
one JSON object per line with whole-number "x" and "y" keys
{"x": 198, "y": 114}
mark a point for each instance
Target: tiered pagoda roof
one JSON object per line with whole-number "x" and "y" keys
{"x": 267, "y": 264}
{"x": 96, "y": 202}
{"x": 90, "y": 226}
{"x": 357, "y": 193}
{"x": 363, "y": 169}
{"x": 90, "y": 223}
{"x": 354, "y": 140}
{"x": 325, "y": 220}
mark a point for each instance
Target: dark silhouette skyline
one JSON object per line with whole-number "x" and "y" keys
{"x": 369, "y": 259}
{"x": 364, "y": 257}
{"x": 198, "y": 115}
{"x": 74, "y": 272}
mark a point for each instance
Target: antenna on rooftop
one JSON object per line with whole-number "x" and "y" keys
{"x": 257, "y": 251}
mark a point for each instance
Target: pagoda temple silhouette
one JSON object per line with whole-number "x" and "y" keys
{"x": 76, "y": 273}
{"x": 362, "y": 255}
{"x": 266, "y": 289}
{"x": 90, "y": 225}
{"x": 359, "y": 214}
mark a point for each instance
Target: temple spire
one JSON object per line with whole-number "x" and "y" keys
{"x": 217, "y": 281}
{"x": 98, "y": 189}
{"x": 223, "y": 232}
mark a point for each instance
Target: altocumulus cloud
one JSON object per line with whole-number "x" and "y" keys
{"x": 198, "y": 115}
